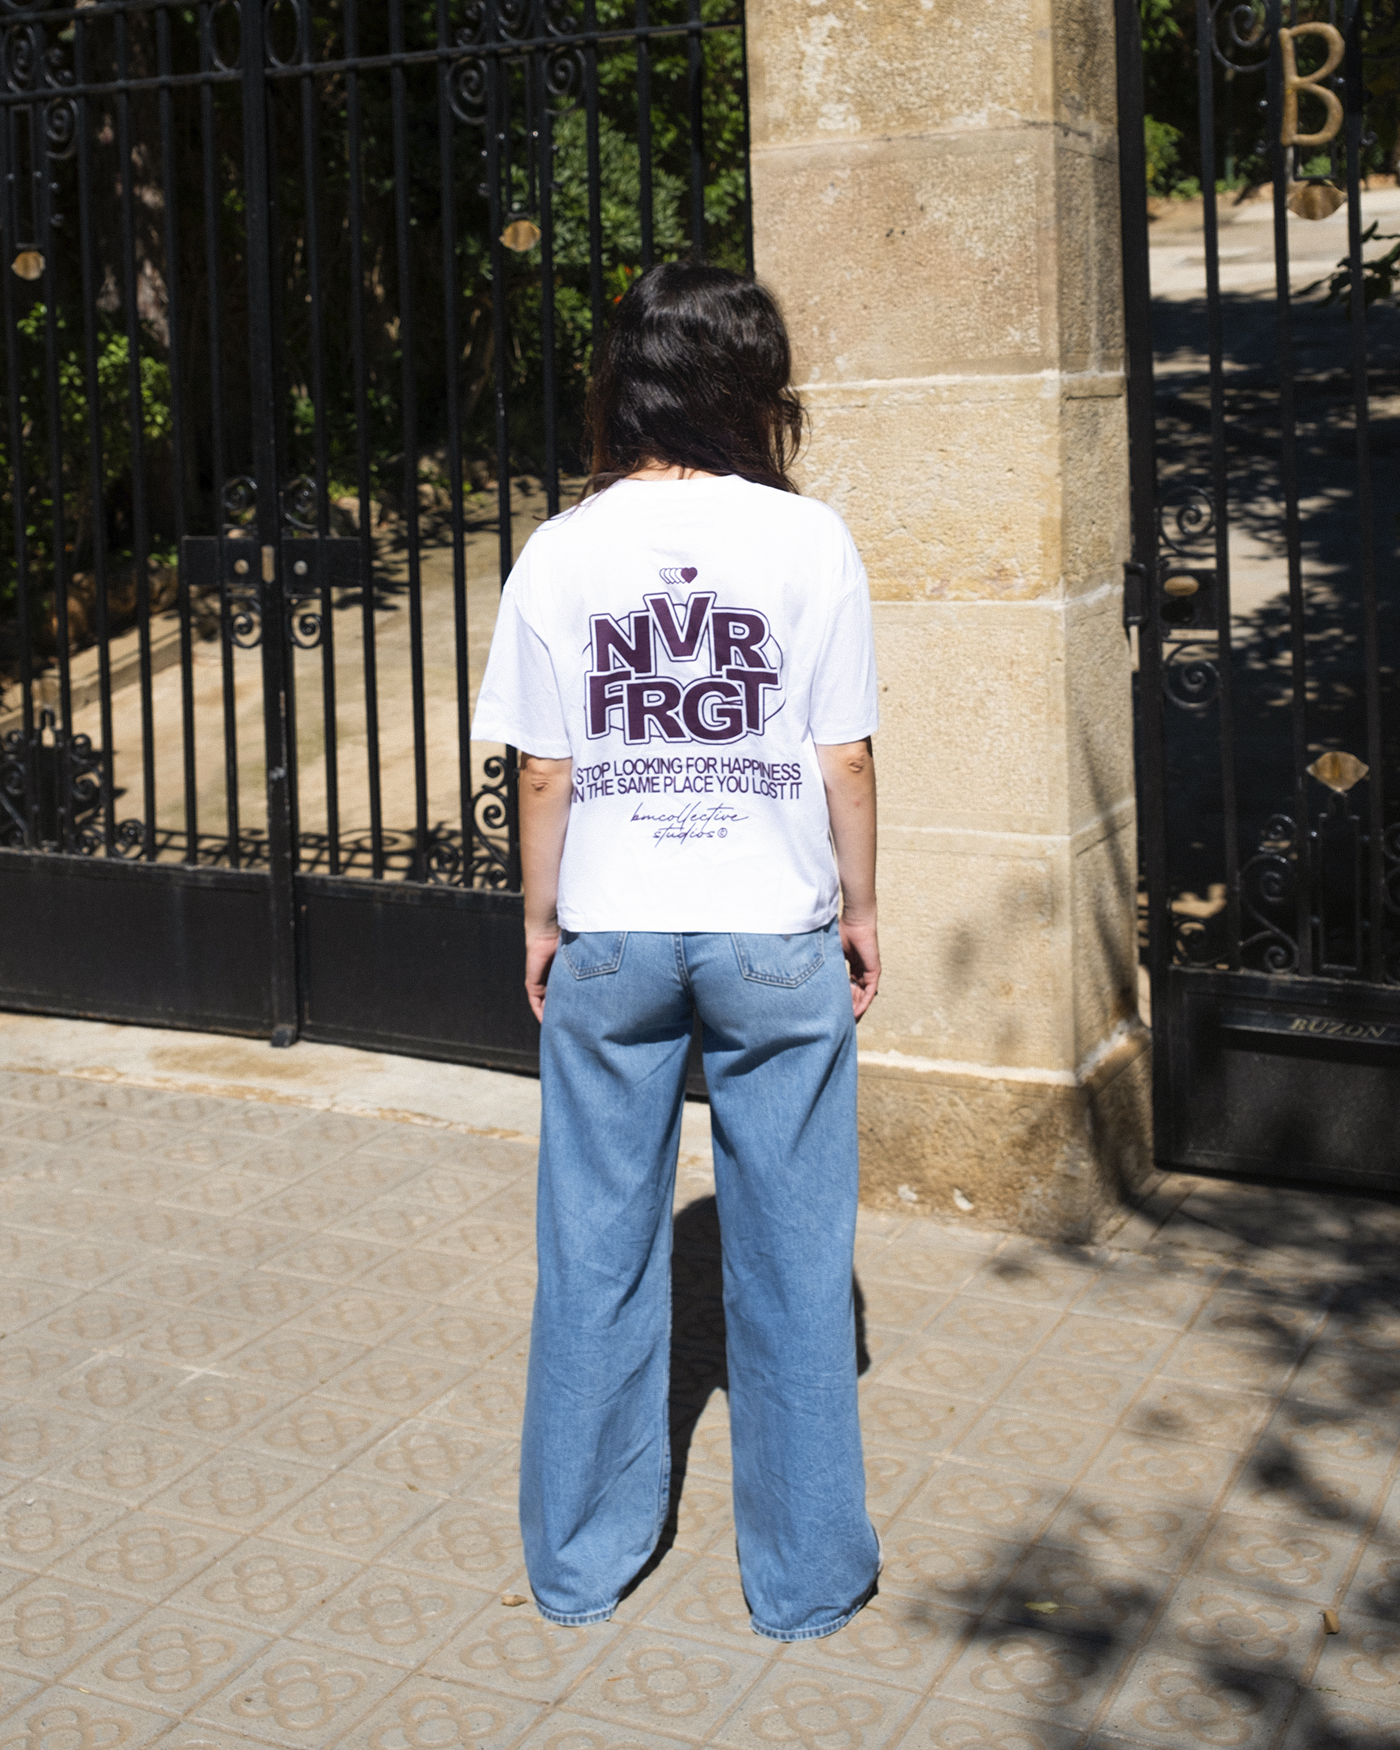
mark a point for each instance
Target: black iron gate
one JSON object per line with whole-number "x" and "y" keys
{"x": 1264, "y": 372}
{"x": 297, "y": 299}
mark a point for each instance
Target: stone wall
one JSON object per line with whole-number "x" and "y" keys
{"x": 935, "y": 203}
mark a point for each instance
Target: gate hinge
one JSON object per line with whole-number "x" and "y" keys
{"x": 1134, "y": 593}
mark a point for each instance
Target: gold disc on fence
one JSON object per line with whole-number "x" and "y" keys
{"x": 520, "y": 235}
{"x": 28, "y": 264}
{"x": 1315, "y": 200}
{"x": 1339, "y": 771}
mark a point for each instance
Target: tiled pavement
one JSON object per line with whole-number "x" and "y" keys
{"x": 260, "y": 1385}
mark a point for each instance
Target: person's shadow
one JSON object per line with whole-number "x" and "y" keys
{"x": 697, "y": 1343}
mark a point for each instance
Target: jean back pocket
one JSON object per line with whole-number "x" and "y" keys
{"x": 786, "y": 961}
{"x": 590, "y": 953}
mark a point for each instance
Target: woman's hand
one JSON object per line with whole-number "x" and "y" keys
{"x": 545, "y": 791}
{"x": 848, "y": 771}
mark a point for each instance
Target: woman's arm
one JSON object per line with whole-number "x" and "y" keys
{"x": 848, "y": 771}
{"x": 545, "y": 791}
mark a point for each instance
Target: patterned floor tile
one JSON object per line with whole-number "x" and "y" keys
{"x": 1325, "y": 1721}
{"x": 319, "y": 1431}
{"x": 507, "y": 1294}
{"x": 933, "y": 1422}
{"x": 28, "y": 1303}
{"x": 518, "y": 1653}
{"x": 60, "y": 1717}
{"x": 703, "y": 1597}
{"x": 1126, "y": 1530}
{"x": 433, "y": 1276}
{"x": 351, "y": 1517}
{"x": 393, "y": 1615}
{"x": 1295, "y": 1561}
{"x": 1183, "y": 1699}
{"x": 905, "y": 1306}
{"x": 130, "y": 1464}
{"x": 666, "y": 1683}
{"x": 15, "y": 1692}
{"x": 48, "y": 1625}
{"x": 1068, "y": 1388}
{"x": 563, "y": 1729}
{"x": 237, "y": 1488}
{"x": 33, "y": 1366}
{"x": 1032, "y": 1441}
{"x": 261, "y": 1584}
{"x": 1069, "y": 1591}
{"x": 144, "y": 1555}
{"x": 490, "y": 1401}
{"x": 1060, "y": 1677}
{"x": 985, "y": 1500}
{"x": 1374, "y": 1589}
{"x": 426, "y": 1711}
{"x": 942, "y": 1724}
{"x": 1126, "y": 1291}
{"x": 299, "y": 1696}
{"x": 40, "y": 1524}
{"x": 1362, "y": 1663}
{"x": 1319, "y": 1435}
{"x": 947, "y": 1565}
{"x": 430, "y": 1456}
{"x": 467, "y": 1544}
{"x": 390, "y": 1220}
{"x": 1227, "y": 1624}
{"x": 398, "y": 1384}
{"x": 1274, "y": 1485}
{"x": 992, "y": 1324}
{"x": 1035, "y": 1276}
{"x": 927, "y": 1364}
{"x": 354, "y": 1316}
{"x": 177, "y": 1280}
{"x": 1168, "y": 1409}
{"x": 1231, "y": 1366}
{"x": 476, "y": 1237}
{"x": 806, "y": 1706}
{"x": 1089, "y": 1340}
{"x": 166, "y": 1660}
{"x": 894, "y": 1640}
{"x": 110, "y": 1387}
{"x": 1356, "y": 1379}
{"x": 1263, "y": 1315}
{"x": 35, "y": 1437}
{"x": 1165, "y": 1470}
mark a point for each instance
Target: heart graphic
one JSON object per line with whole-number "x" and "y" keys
{"x": 689, "y": 573}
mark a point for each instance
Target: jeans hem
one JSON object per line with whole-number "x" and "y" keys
{"x": 576, "y": 1618}
{"x": 822, "y": 1629}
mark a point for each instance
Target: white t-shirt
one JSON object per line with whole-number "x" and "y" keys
{"x": 688, "y": 644}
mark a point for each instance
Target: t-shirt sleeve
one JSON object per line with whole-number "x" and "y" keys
{"x": 845, "y": 705}
{"x": 519, "y": 701}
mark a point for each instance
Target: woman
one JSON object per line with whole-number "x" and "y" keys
{"x": 685, "y": 661}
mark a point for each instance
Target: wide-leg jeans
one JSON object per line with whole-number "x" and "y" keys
{"x": 780, "y": 1060}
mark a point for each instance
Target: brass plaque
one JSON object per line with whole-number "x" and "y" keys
{"x": 520, "y": 235}
{"x": 1339, "y": 771}
{"x": 1339, "y": 1027}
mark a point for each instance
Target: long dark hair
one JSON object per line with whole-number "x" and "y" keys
{"x": 693, "y": 372}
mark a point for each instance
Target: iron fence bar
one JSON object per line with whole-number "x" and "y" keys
{"x": 748, "y": 158}
{"x": 178, "y": 440}
{"x": 547, "y": 348}
{"x": 497, "y": 131}
{"x": 409, "y": 413}
{"x": 1373, "y": 909}
{"x": 369, "y": 657}
{"x": 452, "y": 348}
{"x": 644, "y": 189}
{"x": 275, "y": 665}
{"x": 1219, "y": 483}
{"x": 213, "y": 256}
{"x": 279, "y": 487}
{"x": 88, "y": 280}
{"x": 311, "y": 176}
{"x": 19, "y": 487}
{"x": 43, "y": 215}
{"x": 1281, "y": 158}
{"x": 1141, "y": 397}
{"x": 695, "y": 98}
{"x": 595, "y": 175}
{"x": 140, "y": 527}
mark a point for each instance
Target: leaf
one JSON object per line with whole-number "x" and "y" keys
{"x": 512, "y": 1600}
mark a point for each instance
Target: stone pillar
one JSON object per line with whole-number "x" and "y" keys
{"x": 936, "y": 205}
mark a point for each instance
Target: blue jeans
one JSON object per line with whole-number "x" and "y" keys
{"x": 780, "y": 1059}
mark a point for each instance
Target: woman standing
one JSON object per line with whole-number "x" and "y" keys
{"x": 685, "y": 661}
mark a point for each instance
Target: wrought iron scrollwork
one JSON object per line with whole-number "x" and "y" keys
{"x": 14, "y": 791}
{"x": 1186, "y": 518}
{"x": 1268, "y": 885}
{"x": 1244, "y": 26}
{"x": 52, "y": 787}
{"x": 490, "y": 818}
{"x": 1190, "y": 676}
